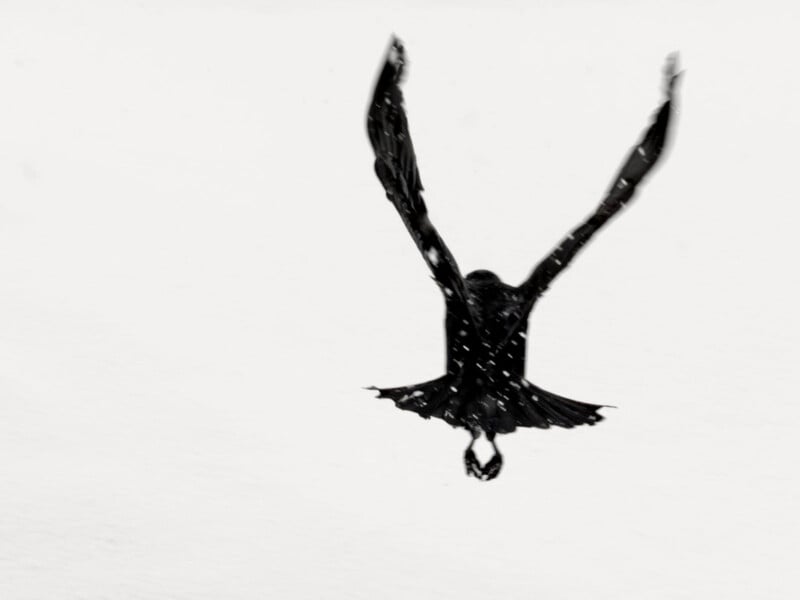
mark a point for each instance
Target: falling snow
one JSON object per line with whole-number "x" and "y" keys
{"x": 189, "y": 499}
{"x": 433, "y": 256}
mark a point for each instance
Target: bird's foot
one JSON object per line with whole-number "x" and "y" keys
{"x": 486, "y": 472}
{"x": 493, "y": 467}
{"x": 472, "y": 464}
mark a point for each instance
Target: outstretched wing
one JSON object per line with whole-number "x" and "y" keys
{"x": 642, "y": 158}
{"x": 396, "y": 167}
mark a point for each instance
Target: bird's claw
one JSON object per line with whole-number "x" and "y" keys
{"x": 492, "y": 468}
{"x": 486, "y": 472}
{"x": 472, "y": 464}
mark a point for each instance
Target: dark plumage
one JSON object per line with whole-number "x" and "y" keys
{"x": 484, "y": 389}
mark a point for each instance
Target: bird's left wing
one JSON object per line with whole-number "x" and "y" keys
{"x": 396, "y": 167}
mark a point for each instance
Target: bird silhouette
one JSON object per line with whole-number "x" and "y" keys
{"x": 486, "y": 324}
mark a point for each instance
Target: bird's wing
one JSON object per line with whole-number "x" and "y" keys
{"x": 640, "y": 161}
{"x": 396, "y": 167}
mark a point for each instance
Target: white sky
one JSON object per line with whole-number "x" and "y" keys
{"x": 199, "y": 271}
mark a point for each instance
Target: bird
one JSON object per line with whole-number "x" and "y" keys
{"x": 484, "y": 389}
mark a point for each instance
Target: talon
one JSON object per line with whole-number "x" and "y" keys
{"x": 471, "y": 463}
{"x": 473, "y": 467}
{"x": 493, "y": 467}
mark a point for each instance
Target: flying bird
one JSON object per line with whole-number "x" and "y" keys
{"x": 484, "y": 389}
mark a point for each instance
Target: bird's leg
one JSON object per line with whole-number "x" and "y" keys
{"x": 492, "y": 468}
{"x": 470, "y": 460}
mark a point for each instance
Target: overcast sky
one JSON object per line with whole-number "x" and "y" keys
{"x": 199, "y": 272}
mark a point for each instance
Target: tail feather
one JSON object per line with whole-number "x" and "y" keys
{"x": 435, "y": 398}
{"x": 535, "y": 418}
{"x": 517, "y": 403}
{"x": 507, "y": 417}
{"x": 551, "y": 409}
{"x": 415, "y": 397}
{"x": 438, "y": 402}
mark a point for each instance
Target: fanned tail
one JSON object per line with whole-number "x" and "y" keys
{"x": 499, "y": 409}
{"x": 535, "y": 407}
{"x": 435, "y": 398}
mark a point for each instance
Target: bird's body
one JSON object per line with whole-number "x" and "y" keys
{"x": 484, "y": 388}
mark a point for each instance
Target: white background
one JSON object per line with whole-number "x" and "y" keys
{"x": 199, "y": 272}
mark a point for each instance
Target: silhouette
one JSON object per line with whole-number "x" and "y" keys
{"x": 484, "y": 389}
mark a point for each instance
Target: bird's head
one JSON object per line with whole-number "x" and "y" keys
{"x": 482, "y": 276}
